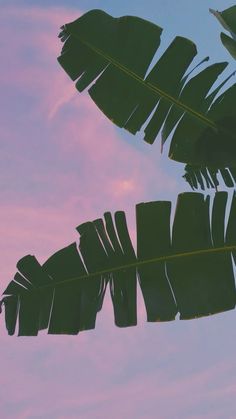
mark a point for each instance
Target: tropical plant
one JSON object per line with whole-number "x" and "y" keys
{"x": 118, "y": 57}
{"x": 187, "y": 268}
{"x": 227, "y": 18}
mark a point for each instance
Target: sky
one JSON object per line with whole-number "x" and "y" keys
{"x": 62, "y": 163}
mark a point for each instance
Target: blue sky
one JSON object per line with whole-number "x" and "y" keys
{"x": 51, "y": 181}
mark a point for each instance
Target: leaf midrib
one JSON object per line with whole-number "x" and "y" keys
{"x": 140, "y": 263}
{"x": 150, "y": 86}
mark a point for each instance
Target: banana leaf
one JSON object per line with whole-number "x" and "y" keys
{"x": 185, "y": 269}
{"x": 227, "y": 18}
{"x": 112, "y": 57}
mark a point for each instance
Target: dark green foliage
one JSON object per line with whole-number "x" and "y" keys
{"x": 162, "y": 100}
{"x": 186, "y": 269}
{"x": 207, "y": 177}
{"x": 227, "y": 18}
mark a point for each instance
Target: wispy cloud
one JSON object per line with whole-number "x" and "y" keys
{"x": 64, "y": 155}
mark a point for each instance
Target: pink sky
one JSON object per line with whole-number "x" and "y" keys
{"x": 64, "y": 163}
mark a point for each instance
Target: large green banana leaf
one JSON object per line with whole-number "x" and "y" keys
{"x": 227, "y": 18}
{"x": 116, "y": 53}
{"x": 186, "y": 268}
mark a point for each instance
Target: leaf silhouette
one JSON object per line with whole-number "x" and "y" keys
{"x": 186, "y": 269}
{"x": 227, "y": 18}
{"x": 163, "y": 100}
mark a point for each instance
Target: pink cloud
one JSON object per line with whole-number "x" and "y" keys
{"x": 77, "y": 127}
{"x": 111, "y": 174}
{"x": 108, "y": 361}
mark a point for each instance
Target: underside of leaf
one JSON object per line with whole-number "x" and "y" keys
{"x": 227, "y": 18}
{"x": 164, "y": 100}
{"x": 186, "y": 269}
